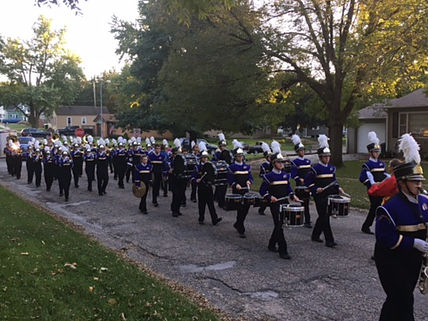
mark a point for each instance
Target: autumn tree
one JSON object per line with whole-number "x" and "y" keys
{"x": 41, "y": 73}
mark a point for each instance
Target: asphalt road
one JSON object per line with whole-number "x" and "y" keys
{"x": 239, "y": 276}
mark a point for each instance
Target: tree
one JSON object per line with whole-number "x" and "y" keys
{"x": 342, "y": 48}
{"x": 41, "y": 73}
{"x": 72, "y": 4}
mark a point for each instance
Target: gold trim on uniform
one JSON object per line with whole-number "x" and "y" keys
{"x": 325, "y": 176}
{"x": 144, "y": 172}
{"x": 411, "y": 228}
{"x": 279, "y": 183}
{"x": 304, "y": 166}
{"x": 378, "y": 170}
{"x": 156, "y": 162}
{"x": 400, "y": 238}
{"x": 240, "y": 172}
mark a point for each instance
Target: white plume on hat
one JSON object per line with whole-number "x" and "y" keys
{"x": 45, "y": 141}
{"x": 237, "y": 144}
{"x": 202, "y": 146}
{"x": 107, "y": 141}
{"x": 165, "y": 142}
{"x": 70, "y": 138}
{"x": 265, "y": 148}
{"x": 90, "y": 139}
{"x": 138, "y": 140}
{"x": 36, "y": 144}
{"x": 177, "y": 143}
{"x": 221, "y": 137}
{"x": 323, "y": 141}
{"x": 192, "y": 144}
{"x": 79, "y": 140}
{"x": 87, "y": 147}
{"x": 410, "y": 149}
{"x": 64, "y": 139}
{"x": 276, "y": 147}
{"x": 152, "y": 140}
{"x": 133, "y": 139}
{"x": 296, "y": 139}
{"x": 148, "y": 142}
{"x": 373, "y": 138}
{"x": 101, "y": 142}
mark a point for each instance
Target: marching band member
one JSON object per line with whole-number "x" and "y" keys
{"x": 275, "y": 188}
{"x": 157, "y": 160}
{"x": 121, "y": 157}
{"x": 373, "y": 171}
{"x": 321, "y": 181}
{"x": 65, "y": 165}
{"x": 194, "y": 185}
{"x": 37, "y": 163}
{"x": 265, "y": 168}
{"x": 28, "y": 155}
{"x": 90, "y": 162}
{"x": 178, "y": 165}
{"x": 221, "y": 154}
{"x": 301, "y": 166}
{"x": 166, "y": 156}
{"x": 129, "y": 163}
{"x": 77, "y": 157}
{"x": 102, "y": 168}
{"x": 240, "y": 178}
{"x": 143, "y": 175}
{"x": 17, "y": 159}
{"x": 401, "y": 231}
{"x": 48, "y": 168}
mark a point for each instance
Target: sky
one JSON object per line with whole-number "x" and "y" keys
{"x": 88, "y": 34}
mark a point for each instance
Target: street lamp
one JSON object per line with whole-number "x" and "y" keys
{"x": 101, "y": 121}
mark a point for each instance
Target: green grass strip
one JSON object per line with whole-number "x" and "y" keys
{"x": 48, "y": 271}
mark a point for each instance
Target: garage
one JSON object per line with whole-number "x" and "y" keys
{"x": 364, "y": 129}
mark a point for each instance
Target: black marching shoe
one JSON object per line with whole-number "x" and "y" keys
{"x": 330, "y": 244}
{"x": 318, "y": 240}
{"x": 156, "y": 204}
{"x": 366, "y": 230}
{"x": 273, "y": 249}
{"x": 261, "y": 212}
{"x": 218, "y": 220}
{"x": 201, "y": 222}
{"x": 285, "y": 256}
{"x": 308, "y": 225}
{"x": 174, "y": 214}
{"x": 242, "y": 235}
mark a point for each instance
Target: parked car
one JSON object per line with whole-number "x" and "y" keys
{"x": 34, "y": 132}
{"x": 67, "y": 131}
{"x": 211, "y": 148}
{"x": 254, "y": 149}
{"x": 24, "y": 142}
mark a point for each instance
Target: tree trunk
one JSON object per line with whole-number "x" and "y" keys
{"x": 336, "y": 141}
{"x": 33, "y": 120}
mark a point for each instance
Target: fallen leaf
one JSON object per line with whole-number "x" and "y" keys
{"x": 103, "y": 269}
{"x": 91, "y": 289}
{"x": 43, "y": 242}
{"x": 122, "y": 315}
{"x": 96, "y": 279}
{"x": 25, "y": 253}
{"x": 72, "y": 266}
{"x": 112, "y": 301}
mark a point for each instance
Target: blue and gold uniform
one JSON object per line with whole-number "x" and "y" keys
{"x": 321, "y": 176}
{"x": 159, "y": 165}
{"x": 373, "y": 171}
{"x": 240, "y": 173}
{"x": 65, "y": 164}
{"x": 143, "y": 175}
{"x": 48, "y": 168}
{"x": 277, "y": 184}
{"x": 102, "y": 171}
{"x": 77, "y": 156}
{"x": 300, "y": 167}
{"x": 90, "y": 167}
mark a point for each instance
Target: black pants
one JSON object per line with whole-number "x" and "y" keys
{"x": 128, "y": 172}
{"x": 76, "y": 175}
{"x": 64, "y": 180}
{"x": 220, "y": 192}
{"x": 48, "y": 173}
{"x": 38, "y": 172}
{"x": 157, "y": 179}
{"x": 307, "y": 214}
{"x": 143, "y": 205}
{"x": 194, "y": 189}
{"x": 102, "y": 180}
{"x": 178, "y": 196}
{"x": 277, "y": 236}
{"x": 90, "y": 173}
{"x": 206, "y": 198}
{"x": 322, "y": 225}
{"x": 375, "y": 202}
{"x": 398, "y": 274}
{"x": 18, "y": 166}
{"x": 164, "y": 185}
{"x": 30, "y": 170}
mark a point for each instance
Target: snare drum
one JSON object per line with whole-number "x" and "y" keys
{"x": 251, "y": 199}
{"x": 294, "y": 214}
{"x": 338, "y": 205}
{"x": 232, "y": 201}
{"x": 302, "y": 192}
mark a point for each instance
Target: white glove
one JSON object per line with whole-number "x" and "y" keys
{"x": 387, "y": 175}
{"x": 370, "y": 177}
{"x": 421, "y": 245}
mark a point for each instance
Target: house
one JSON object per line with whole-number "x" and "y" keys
{"x": 94, "y": 120}
{"x": 371, "y": 118}
{"x": 408, "y": 114}
{"x": 390, "y": 120}
{"x": 12, "y": 114}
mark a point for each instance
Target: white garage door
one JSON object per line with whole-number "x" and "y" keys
{"x": 363, "y": 131}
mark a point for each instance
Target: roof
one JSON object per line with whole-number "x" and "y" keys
{"x": 80, "y": 110}
{"x": 418, "y": 98}
{"x": 106, "y": 117}
{"x": 375, "y": 111}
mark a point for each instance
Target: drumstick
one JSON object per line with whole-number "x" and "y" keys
{"x": 346, "y": 194}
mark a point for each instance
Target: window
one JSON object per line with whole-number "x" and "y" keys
{"x": 403, "y": 124}
{"x": 415, "y": 123}
{"x": 394, "y": 125}
{"x": 69, "y": 121}
{"x": 83, "y": 120}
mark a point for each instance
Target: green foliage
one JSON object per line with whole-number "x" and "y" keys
{"x": 41, "y": 73}
{"x": 50, "y": 272}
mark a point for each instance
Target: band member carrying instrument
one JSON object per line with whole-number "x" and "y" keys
{"x": 158, "y": 162}
{"x": 37, "y": 163}
{"x": 275, "y": 189}
{"x": 203, "y": 176}
{"x": 178, "y": 165}
{"x": 401, "y": 231}
{"x": 90, "y": 162}
{"x": 265, "y": 168}
{"x": 48, "y": 167}
{"x": 373, "y": 172}
{"x": 65, "y": 165}
{"x": 194, "y": 185}
{"x": 301, "y": 166}
{"x": 121, "y": 156}
{"x": 322, "y": 182}
{"x": 102, "y": 168}
{"x": 166, "y": 156}
{"x": 240, "y": 179}
{"x": 77, "y": 157}
{"x": 221, "y": 154}
{"x": 143, "y": 176}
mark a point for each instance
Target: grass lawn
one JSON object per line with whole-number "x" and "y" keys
{"x": 17, "y": 127}
{"x": 48, "y": 271}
